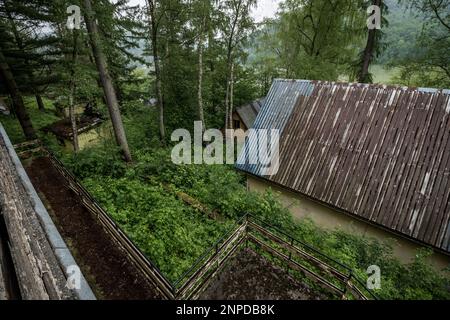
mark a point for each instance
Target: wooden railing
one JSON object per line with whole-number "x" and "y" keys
{"x": 327, "y": 272}
{"x": 192, "y": 283}
{"x": 296, "y": 255}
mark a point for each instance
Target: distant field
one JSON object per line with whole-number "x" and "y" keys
{"x": 381, "y": 75}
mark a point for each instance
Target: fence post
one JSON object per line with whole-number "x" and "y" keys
{"x": 246, "y": 231}
{"x": 290, "y": 256}
{"x": 347, "y": 285}
{"x": 174, "y": 291}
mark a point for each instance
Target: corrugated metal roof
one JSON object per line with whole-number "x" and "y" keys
{"x": 379, "y": 152}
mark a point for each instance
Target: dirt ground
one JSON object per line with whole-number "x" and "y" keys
{"x": 106, "y": 268}
{"x": 249, "y": 276}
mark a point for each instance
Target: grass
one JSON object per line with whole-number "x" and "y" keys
{"x": 39, "y": 119}
{"x": 382, "y": 75}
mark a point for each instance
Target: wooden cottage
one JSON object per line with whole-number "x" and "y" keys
{"x": 371, "y": 159}
{"x": 90, "y": 130}
{"x": 244, "y": 116}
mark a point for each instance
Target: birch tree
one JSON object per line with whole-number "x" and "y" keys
{"x": 237, "y": 24}
{"x": 155, "y": 17}
{"x": 73, "y": 120}
{"x": 373, "y": 46}
{"x": 202, "y": 11}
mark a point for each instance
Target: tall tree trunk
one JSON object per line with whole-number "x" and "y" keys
{"x": 368, "y": 53}
{"x": 227, "y": 90}
{"x": 73, "y": 120}
{"x": 200, "y": 75}
{"x": 230, "y": 46}
{"x": 105, "y": 77}
{"x": 156, "y": 61}
{"x": 39, "y": 101}
{"x": 19, "y": 106}
{"x": 227, "y": 95}
{"x": 230, "y": 109}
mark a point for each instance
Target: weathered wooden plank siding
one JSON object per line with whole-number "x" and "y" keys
{"x": 37, "y": 269}
{"x": 379, "y": 152}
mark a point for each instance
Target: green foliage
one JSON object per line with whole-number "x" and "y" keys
{"x": 416, "y": 280}
{"x": 140, "y": 125}
{"x": 102, "y": 160}
{"x": 309, "y": 39}
{"x": 138, "y": 86}
{"x": 422, "y": 42}
{"x": 314, "y": 39}
{"x": 171, "y": 234}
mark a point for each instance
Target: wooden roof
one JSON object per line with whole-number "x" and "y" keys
{"x": 381, "y": 153}
{"x": 63, "y": 128}
{"x": 248, "y": 112}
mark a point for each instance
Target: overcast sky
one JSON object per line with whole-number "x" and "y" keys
{"x": 264, "y": 9}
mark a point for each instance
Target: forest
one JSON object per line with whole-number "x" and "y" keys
{"x": 146, "y": 68}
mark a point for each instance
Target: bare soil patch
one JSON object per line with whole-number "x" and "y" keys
{"x": 250, "y": 276}
{"x": 104, "y": 265}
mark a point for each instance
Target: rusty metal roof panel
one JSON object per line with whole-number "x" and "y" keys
{"x": 379, "y": 152}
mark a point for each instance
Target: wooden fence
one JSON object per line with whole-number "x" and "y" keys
{"x": 298, "y": 256}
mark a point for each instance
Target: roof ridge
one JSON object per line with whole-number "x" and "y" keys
{"x": 375, "y": 85}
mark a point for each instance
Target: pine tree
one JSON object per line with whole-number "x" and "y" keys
{"x": 19, "y": 106}
{"x": 31, "y": 53}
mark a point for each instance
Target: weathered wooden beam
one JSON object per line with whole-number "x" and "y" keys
{"x": 299, "y": 252}
{"x": 39, "y": 258}
{"x": 29, "y": 249}
{"x": 294, "y": 265}
{"x": 3, "y": 280}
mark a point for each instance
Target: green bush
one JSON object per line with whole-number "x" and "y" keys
{"x": 102, "y": 160}
{"x": 170, "y": 233}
